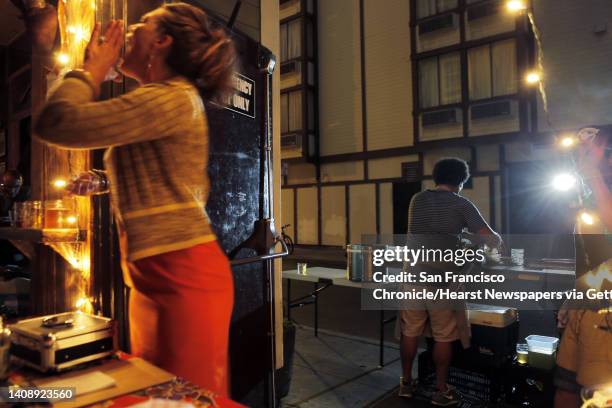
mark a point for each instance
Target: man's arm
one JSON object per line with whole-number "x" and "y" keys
{"x": 478, "y": 225}
{"x": 492, "y": 238}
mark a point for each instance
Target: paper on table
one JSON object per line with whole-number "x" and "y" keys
{"x": 85, "y": 383}
{"x": 163, "y": 403}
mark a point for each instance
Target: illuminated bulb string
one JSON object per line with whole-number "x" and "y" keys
{"x": 589, "y": 134}
{"x": 540, "y": 65}
{"x": 76, "y": 22}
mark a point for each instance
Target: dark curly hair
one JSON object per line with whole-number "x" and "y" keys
{"x": 452, "y": 171}
{"x": 202, "y": 51}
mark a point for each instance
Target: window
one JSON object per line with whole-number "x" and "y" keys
{"x": 426, "y": 8}
{"x": 440, "y": 27}
{"x": 291, "y": 112}
{"x": 437, "y": 24}
{"x": 486, "y": 19}
{"x": 288, "y": 8}
{"x": 492, "y": 70}
{"x": 291, "y": 40}
{"x": 297, "y": 63}
{"x": 483, "y": 11}
{"x": 440, "y": 80}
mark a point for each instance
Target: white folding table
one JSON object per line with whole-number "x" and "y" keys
{"x": 323, "y": 278}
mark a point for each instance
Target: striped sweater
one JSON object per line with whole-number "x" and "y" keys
{"x": 156, "y": 141}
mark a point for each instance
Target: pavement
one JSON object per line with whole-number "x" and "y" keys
{"x": 336, "y": 370}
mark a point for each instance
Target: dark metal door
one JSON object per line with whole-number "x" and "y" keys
{"x": 238, "y": 198}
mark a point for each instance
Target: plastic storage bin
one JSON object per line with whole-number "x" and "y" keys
{"x": 543, "y": 361}
{"x": 542, "y": 344}
{"x": 542, "y": 351}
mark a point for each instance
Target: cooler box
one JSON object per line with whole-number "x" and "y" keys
{"x": 491, "y": 316}
{"x": 495, "y": 332}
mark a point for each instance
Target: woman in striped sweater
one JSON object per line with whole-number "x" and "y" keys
{"x": 156, "y": 141}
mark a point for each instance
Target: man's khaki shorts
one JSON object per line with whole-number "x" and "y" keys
{"x": 443, "y": 324}
{"x": 437, "y": 319}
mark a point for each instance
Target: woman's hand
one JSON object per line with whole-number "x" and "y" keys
{"x": 102, "y": 53}
{"x": 590, "y": 156}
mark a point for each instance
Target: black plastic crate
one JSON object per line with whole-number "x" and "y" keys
{"x": 478, "y": 382}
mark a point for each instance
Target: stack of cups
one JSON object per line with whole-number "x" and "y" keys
{"x": 517, "y": 256}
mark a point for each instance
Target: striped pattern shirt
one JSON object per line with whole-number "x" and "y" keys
{"x": 156, "y": 141}
{"x": 443, "y": 212}
{"x": 435, "y": 220}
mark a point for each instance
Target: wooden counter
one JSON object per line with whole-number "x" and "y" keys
{"x": 46, "y": 235}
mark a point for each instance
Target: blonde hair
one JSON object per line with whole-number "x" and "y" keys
{"x": 202, "y": 51}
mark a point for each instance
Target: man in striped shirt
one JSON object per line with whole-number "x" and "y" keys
{"x": 440, "y": 211}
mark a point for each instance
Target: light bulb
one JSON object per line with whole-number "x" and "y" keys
{"x": 515, "y": 5}
{"x": 533, "y": 77}
{"x": 587, "y": 218}
{"x": 568, "y": 141}
{"x": 563, "y": 182}
{"x": 60, "y": 183}
{"x": 62, "y": 58}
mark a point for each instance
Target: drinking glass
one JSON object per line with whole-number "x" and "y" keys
{"x": 302, "y": 268}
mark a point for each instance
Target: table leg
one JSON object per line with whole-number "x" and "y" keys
{"x": 289, "y": 299}
{"x": 381, "y": 355}
{"x": 316, "y": 310}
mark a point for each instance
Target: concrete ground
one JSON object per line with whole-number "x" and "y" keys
{"x": 339, "y": 368}
{"x": 335, "y": 370}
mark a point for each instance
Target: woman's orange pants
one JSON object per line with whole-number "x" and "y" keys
{"x": 180, "y": 309}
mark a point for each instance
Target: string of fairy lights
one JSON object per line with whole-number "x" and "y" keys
{"x": 76, "y": 20}
{"x": 569, "y": 181}
{"x": 566, "y": 141}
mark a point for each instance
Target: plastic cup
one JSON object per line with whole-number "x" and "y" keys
{"x": 302, "y": 269}
{"x": 522, "y": 353}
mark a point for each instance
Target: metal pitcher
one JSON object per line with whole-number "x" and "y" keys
{"x": 359, "y": 263}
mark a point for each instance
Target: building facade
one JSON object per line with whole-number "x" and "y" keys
{"x": 393, "y": 86}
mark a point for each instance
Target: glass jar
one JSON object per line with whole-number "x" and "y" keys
{"x": 60, "y": 214}
{"x": 35, "y": 215}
